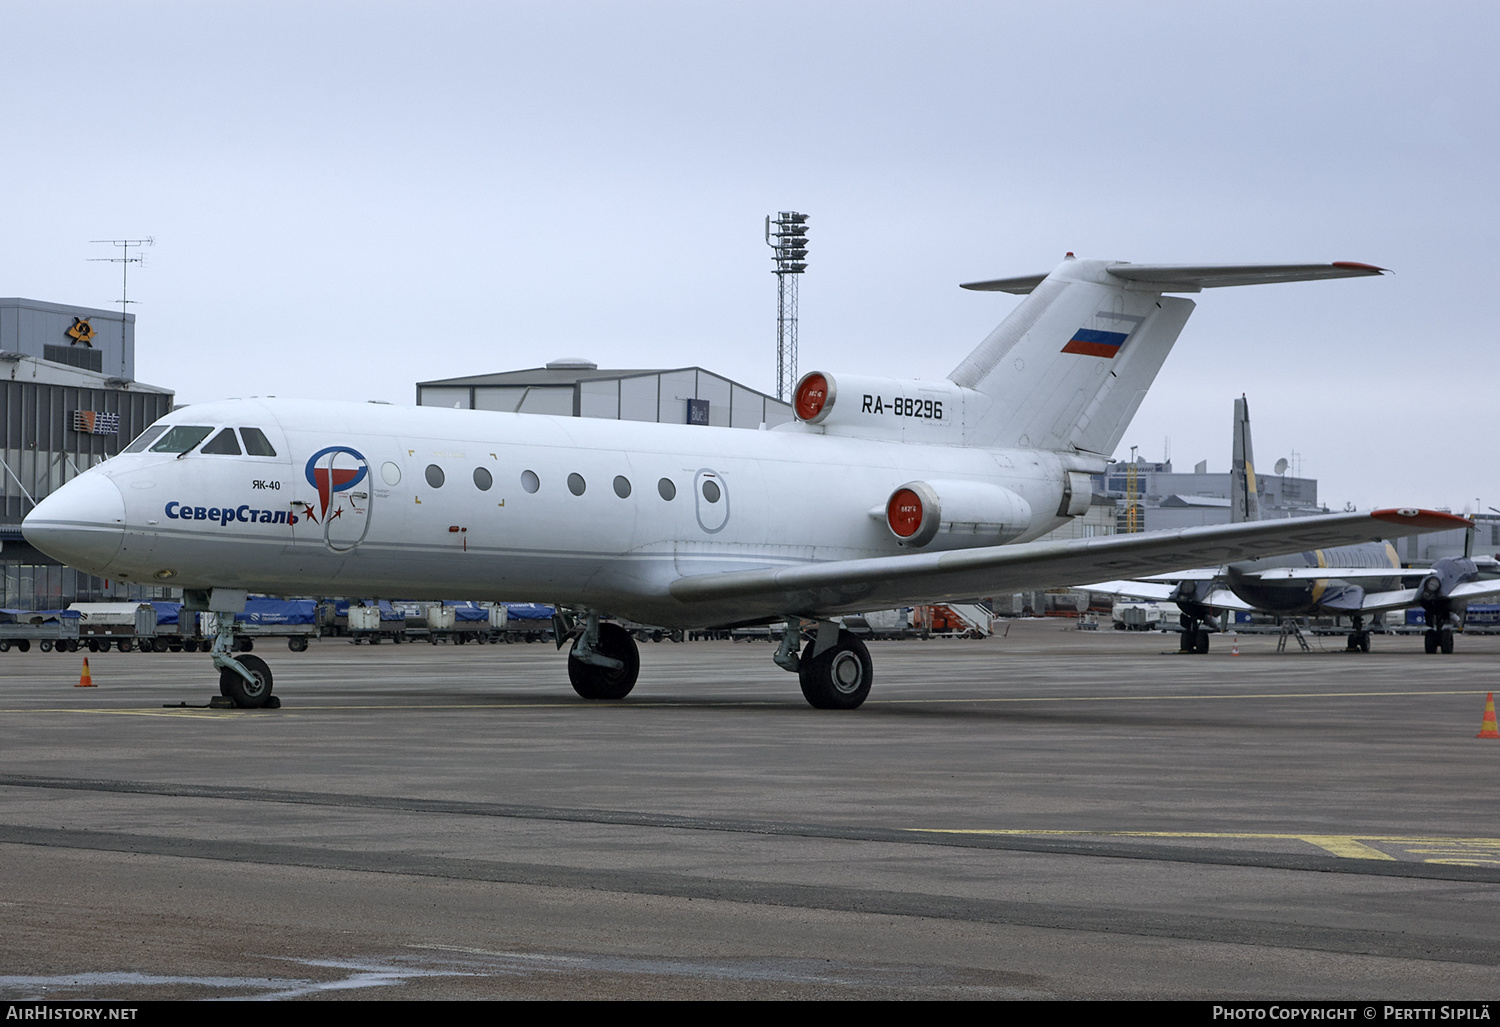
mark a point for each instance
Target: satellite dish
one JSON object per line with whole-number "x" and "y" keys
{"x": 1281, "y": 466}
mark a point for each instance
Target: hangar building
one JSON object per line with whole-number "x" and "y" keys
{"x": 579, "y": 388}
{"x": 68, "y": 400}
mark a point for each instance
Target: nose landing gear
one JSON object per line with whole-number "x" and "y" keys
{"x": 244, "y": 679}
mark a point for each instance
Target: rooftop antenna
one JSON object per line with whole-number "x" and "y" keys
{"x": 789, "y": 240}
{"x": 125, "y": 260}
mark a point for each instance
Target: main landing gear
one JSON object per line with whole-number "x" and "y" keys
{"x": 834, "y": 668}
{"x": 1438, "y": 639}
{"x": 1359, "y": 637}
{"x": 604, "y": 661}
{"x": 1194, "y": 635}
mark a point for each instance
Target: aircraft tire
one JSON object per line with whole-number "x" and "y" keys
{"x": 1364, "y": 641}
{"x": 245, "y": 695}
{"x": 1200, "y": 645}
{"x": 1430, "y": 641}
{"x": 1445, "y": 641}
{"x": 839, "y": 679}
{"x": 604, "y": 683}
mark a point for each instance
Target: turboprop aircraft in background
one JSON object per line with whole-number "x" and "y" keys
{"x": 1354, "y": 581}
{"x": 882, "y": 492}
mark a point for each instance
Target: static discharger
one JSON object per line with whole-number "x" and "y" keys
{"x": 86, "y": 680}
{"x": 1487, "y": 729}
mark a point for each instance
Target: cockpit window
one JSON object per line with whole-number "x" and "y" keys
{"x": 256, "y": 443}
{"x": 181, "y": 438}
{"x": 145, "y": 438}
{"x": 223, "y": 444}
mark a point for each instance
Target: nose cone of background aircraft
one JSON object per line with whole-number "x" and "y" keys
{"x": 81, "y": 524}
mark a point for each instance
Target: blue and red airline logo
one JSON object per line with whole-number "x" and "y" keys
{"x": 333, "y": 470}
{"x": 1093, "y": 343}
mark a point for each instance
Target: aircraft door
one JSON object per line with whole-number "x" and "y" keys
{"x": 346, "y": 493}
{"x": 711, "y": 495}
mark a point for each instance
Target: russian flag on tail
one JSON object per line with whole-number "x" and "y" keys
{"x": 1093, "y": 343}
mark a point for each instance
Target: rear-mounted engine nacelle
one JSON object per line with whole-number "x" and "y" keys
{"x": 872, "y": 403}
{"x": 919, "y": 511}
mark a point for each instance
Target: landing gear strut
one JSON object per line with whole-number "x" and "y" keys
{"x": 246, "y": 679}
{"x": 604, "y": 661}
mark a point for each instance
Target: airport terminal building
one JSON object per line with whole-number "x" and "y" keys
{"x": 68, "y": 400}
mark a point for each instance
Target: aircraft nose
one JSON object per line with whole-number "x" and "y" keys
{"x": 82, "y": 524}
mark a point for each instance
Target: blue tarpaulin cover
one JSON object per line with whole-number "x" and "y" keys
{"x": 528, "y": 611}
{"x": 261, "y": 610}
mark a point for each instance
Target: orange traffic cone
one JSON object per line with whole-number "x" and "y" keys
{"x": 1487, "y": 729}
{"x": 86, "y": 680}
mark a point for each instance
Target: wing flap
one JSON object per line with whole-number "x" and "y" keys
{"x": 1335, "y": 573}
{"x": 852, "y": 585}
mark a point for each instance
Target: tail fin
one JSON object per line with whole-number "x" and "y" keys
{"x": 1068, "y": 369}
{"x": 1244, "y": 503}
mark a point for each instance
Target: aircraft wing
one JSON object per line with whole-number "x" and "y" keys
{"x": 852, "y": 585}
{"x": 1404, "y": 597}
{"x": 1154, "y": 591}
{"x": 1163, "y": 592}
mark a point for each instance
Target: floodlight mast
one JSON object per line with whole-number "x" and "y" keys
{"x": 125, "y": 260}
{"x": 789, "y": 241}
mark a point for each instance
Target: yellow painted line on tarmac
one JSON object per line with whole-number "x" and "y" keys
{"x": 1162, "y": 698}
{"x": 1460, "y": 851}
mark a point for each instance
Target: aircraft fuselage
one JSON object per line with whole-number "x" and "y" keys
{"x": 378, "y": 501}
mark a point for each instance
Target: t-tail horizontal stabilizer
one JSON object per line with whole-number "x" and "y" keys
{"x": 1069, "y": 367}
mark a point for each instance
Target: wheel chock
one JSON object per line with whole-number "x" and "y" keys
{"x": 86, "y": 680}
{"x": 1236, "y": 650}
{"x": 1487, "y": 728}
{"x": 221, "y": 702}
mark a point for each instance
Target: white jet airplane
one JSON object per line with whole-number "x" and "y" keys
{"x": 883, "y": 491}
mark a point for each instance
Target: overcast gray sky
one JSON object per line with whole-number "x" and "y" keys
{"x": 352, "y": 197}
